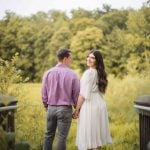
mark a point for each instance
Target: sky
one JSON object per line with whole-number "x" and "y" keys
{"x": 28, "y": 7}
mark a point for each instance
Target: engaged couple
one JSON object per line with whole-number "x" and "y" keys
{"x": 62, "y": 90}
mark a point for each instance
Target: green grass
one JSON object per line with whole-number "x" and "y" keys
{"x": 30, "y": 117}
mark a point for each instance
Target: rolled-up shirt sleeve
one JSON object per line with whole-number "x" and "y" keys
{"x": 44, "y": 91}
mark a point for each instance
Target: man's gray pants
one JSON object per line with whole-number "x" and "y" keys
{"x": 58, "y": 117}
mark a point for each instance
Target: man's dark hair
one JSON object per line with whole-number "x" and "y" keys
{"x": 62, "y": 53}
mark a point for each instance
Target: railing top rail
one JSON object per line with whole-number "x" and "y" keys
{"x": 8, "y": 108}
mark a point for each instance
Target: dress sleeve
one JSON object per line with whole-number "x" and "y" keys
{"x": 86, "y": 84}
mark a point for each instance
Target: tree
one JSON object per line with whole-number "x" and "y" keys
{"x": 80, "y": 24}
{"x": 139, "y": 64}
{"x": 25, "y": 39}
{"x": 41, "y": 51}
{"x": 114, "y": 19}
{"x": 114, "y": 52}
{"x": 137, "y": 23}
{"x": 81, "y": 13}
{"x": 9, "y": 28}
{"x": 106, "y": 8}
{"x": 82, "y": 42}
{"x": 60, "y": 39}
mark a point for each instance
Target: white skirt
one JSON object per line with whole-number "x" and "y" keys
{"x": 93, "y": 125}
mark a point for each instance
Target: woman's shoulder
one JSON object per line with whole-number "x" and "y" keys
{"x": 90, "y": 72}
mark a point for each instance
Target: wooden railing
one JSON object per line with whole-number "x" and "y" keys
{"x": 142, "y": 105}
{"x": 7, "y": 121}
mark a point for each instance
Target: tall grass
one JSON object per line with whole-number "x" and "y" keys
{"x": 120, "y": 96}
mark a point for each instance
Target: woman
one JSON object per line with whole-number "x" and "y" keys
{"x": 91, "y": 111}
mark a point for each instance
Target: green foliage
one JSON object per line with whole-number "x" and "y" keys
{"x": 123, "y": 35}
{"x": 9, "y": 75}
{"x": 10, "y": 138}
{"x": 25, "y": 41}
{"x": 10, "y": 79}
{"x": 120, "y": 97}
{"x": 115, "y": 49}
{"x": 81, "y": 24}
{"x": 137, "y": 23}
{"x": 30, "y": 117}
{"x": 22, "y": 146}
{"x": 58, "y": 16}
{"x": 10, "y": 84}
{"x": 115, "y": 19}
{"x": 42, "y": 51}
{"x": 139, "y": 64}
{"x": 81, "y": 13}
{"x": 3, "y": 142}
{"x": 60, "y": 39}
{"x": 83, "y": 42}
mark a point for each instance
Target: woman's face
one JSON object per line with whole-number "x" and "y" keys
{"x": 91, "y": 61}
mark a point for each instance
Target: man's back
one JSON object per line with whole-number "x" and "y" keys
{"x": 60, "y": 90}
{"x": 60, "y": 86}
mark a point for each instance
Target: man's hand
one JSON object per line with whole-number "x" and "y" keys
{"x": 75, "y": 114}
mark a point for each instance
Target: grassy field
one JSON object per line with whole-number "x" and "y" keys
{"x": 30, "y": 116}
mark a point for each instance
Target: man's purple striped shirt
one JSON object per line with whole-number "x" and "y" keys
{"x": 60, "y": 86}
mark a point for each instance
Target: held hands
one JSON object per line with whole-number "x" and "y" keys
{"x": 75, "y": 114}
{"x": 80, "y": 101}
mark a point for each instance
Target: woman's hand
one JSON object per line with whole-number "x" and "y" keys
{"x": 75, "y": 114}
{"x": 80, "y": 101}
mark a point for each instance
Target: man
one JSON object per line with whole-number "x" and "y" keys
{"x": 60, "y": 89}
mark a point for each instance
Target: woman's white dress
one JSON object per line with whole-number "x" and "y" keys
{"x": 93, "y": 125}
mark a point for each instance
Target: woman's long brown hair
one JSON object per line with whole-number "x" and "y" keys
{"x": 102, "y": 76}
